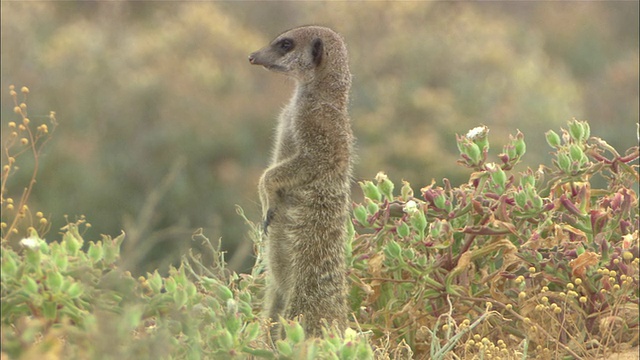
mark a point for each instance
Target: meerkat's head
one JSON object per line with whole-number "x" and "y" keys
{"x": 305, "y": 53}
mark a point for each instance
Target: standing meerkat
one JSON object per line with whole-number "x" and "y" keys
{"x": 305, "y": 190}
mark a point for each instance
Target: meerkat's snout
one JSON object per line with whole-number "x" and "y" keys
{"x": 264, "y": 58}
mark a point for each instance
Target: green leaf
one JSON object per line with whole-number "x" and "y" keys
{"x": 75, "y": 290}
{"x": 348, "y": 351}
{"x": 72, "y": 242}
{"x": 95, "y": 252}
{"x": 54, "y": 281}
{"x": 30, "y": 285}
{"x": 155, "y": 281}
{"x": 251, "y": 331}
{"x": 261, "y": 353}
{"x": 50, "y": 310}
{"x": 294, "y": 332}
{"x": 360, "y": 213}
{"x": 180, "y": 298}
{"x": 403, "y": 229}
{"x": 284, "y": 348}
{"x": 9, "y": 264}
{"x": 370, "y": 190}
{"x": 225, "y": 339}
{"x": 223, "y": 292}
{"x": 170, "y": 285}
{"x": 393, "y": 249}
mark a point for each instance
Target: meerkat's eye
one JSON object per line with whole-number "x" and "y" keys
{"x": 285, "y": 45}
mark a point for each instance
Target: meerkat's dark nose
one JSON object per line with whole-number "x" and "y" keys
{"x": 252, "y": 58}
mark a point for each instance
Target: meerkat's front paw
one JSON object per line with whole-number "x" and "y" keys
{"x": 267, "y": 220}
{"x": 270, "y": 191}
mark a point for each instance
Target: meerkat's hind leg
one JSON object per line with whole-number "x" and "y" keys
{"x": 277, "y": 302}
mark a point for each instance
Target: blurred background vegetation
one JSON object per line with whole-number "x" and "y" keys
{"x": 164, "y": 125}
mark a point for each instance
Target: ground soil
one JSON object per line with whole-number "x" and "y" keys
{"x": 631, "y": 354}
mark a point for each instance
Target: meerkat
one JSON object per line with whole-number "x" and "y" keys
{"x": 305, "y": 192}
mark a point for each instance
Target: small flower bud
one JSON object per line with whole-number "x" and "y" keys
{"x": 586, "y": 130}
{"x": 521, "y": 199}
{"x": 372, "y": 208}
{"x": 409, "y": 254}
{"x": 473, "y": 151}
{"x": 360, "y": 213}
{"x": 576, "y": 153}
{"x": 576, "y": 130}
{"x": 24, "y": 90}
{"x": 393, "y": 249}
{"x": 406, "y": 192}
{"x": 570, "y": 286}
{"x": 419, "y": 221}
{"x": 499, "y": 178}
{"x": 403, "y": 229}
{"x": 553, "y": 139}
{"x": 564, "y": 163}
{"x": 519, "y": 144}
{"x": 385, "y": 185}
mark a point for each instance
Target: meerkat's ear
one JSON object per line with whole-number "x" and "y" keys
{"x": 317, "y": 49}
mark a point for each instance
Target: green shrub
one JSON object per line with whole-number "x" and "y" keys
{"x": 509, "y": 265}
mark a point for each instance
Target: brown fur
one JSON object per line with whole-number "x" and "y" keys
{"x": 305, "y": 190}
